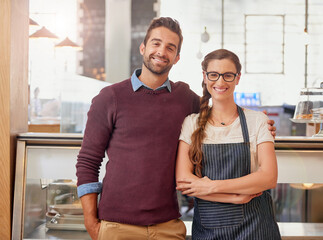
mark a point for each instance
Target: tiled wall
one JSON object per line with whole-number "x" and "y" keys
{"x": 280, "y": 76}
{"x": 275, "y": 89}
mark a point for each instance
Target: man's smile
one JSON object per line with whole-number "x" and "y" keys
{"x": 159, "y": 59}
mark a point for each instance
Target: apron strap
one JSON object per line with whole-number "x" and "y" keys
{"x": 244, "y": 126}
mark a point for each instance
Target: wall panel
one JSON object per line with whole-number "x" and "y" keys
{"x": 13, "y": 98}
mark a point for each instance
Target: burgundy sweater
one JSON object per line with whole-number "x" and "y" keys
{"x": 139, "y": 131}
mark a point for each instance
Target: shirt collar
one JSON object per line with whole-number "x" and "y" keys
{"x": 136, "y": 83}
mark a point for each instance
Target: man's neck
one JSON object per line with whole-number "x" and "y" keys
{"x": 152, "y": 80}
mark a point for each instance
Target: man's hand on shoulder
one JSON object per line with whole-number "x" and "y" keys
{"x": 271, "y": 126}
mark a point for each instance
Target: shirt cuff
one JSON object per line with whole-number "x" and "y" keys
{"x": 94, "y": 187}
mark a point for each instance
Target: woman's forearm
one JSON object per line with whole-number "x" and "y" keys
{"x": 216, "y": 197}
{"x": 229, "y": 198}
{"x": 219, "y": 197}
{"x": 239, "y": 190}
{"x": 264, "y": 178}
{"x": 250, "y": 184}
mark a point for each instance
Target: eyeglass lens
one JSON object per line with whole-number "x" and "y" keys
{"x": 214, "y": 76}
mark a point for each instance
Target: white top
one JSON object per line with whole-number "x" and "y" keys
{"x": 257, "y": 128}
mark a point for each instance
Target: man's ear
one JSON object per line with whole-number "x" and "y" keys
{"x": 177, "y": 58}
{"x": 142, "y": 48}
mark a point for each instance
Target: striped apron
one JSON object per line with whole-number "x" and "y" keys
{"x": 225, "y": 221}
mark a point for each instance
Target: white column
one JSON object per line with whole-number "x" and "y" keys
{"x": 118, "y": 40}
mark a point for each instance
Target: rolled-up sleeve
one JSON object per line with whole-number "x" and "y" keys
{"x": 95, "y": 187}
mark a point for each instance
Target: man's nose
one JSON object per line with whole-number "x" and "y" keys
{"x": 161, "y": 51}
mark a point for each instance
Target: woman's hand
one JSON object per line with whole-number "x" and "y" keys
{"x": 202, "y": 187}
{"x": 244, "y": 198}
{"x": 195, "y": 187}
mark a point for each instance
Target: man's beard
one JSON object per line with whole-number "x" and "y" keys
{"x": 148, "y": 64}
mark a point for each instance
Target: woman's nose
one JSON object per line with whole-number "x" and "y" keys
{"x": 221, "y": 79}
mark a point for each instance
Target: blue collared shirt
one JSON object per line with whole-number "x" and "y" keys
{"x": 96, "y": 187}
{"x": 136, "y": 83}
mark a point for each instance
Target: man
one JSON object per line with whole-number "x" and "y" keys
{"x": 137, "y": 122}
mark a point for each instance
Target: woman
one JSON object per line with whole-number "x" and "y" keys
{"x": 226, "y": 160}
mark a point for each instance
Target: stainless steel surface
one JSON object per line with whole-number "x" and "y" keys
{"x": 292, "y": 143}
{"x": 68, "y": 138}
{"x": 298, "y": 138}
{"x": 71, "y": 139}
{"x": 41, "y": 232}
{"x": 65, "y": 226}
{"x": 307, "y": 146}
{"x": 29, "y": 219}
{"x": 306, "y": 121}
{"x": 31, "y": 135}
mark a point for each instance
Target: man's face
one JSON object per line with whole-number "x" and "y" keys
{"x": 160, "y": 52}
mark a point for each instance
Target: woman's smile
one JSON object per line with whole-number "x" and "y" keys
{"x": 220, "y": 90}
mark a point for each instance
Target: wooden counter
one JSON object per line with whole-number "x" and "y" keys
{"x": 44, "y": 128}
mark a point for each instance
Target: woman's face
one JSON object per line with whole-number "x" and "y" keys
{"x": 221, "y": 90}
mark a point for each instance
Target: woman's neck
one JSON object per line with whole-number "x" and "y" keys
{"x": 223, "y": 113}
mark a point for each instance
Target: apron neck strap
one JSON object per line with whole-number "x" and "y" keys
{"x": 244, "y": 126}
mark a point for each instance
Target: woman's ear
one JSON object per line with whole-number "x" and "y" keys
{"x": 204, "y": 77}
{"x": 238, "y": 78}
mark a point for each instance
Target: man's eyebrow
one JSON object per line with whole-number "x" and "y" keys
{"x": 159, "y": 40}
{"x": 156, "y": 39}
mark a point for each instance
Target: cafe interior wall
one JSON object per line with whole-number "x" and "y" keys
{"x": 275, "y": 87}
{"x": 60, "y": 89}
{"x": 234, "y": 25}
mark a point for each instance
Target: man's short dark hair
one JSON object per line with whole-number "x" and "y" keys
{"x": 169, "y": 23}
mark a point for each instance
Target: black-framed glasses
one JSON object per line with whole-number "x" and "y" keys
{"x": 227, "y": 76}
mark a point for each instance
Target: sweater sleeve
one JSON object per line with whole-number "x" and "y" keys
{"x": 196, "y": 103}
{"x": 98, "y": 131}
